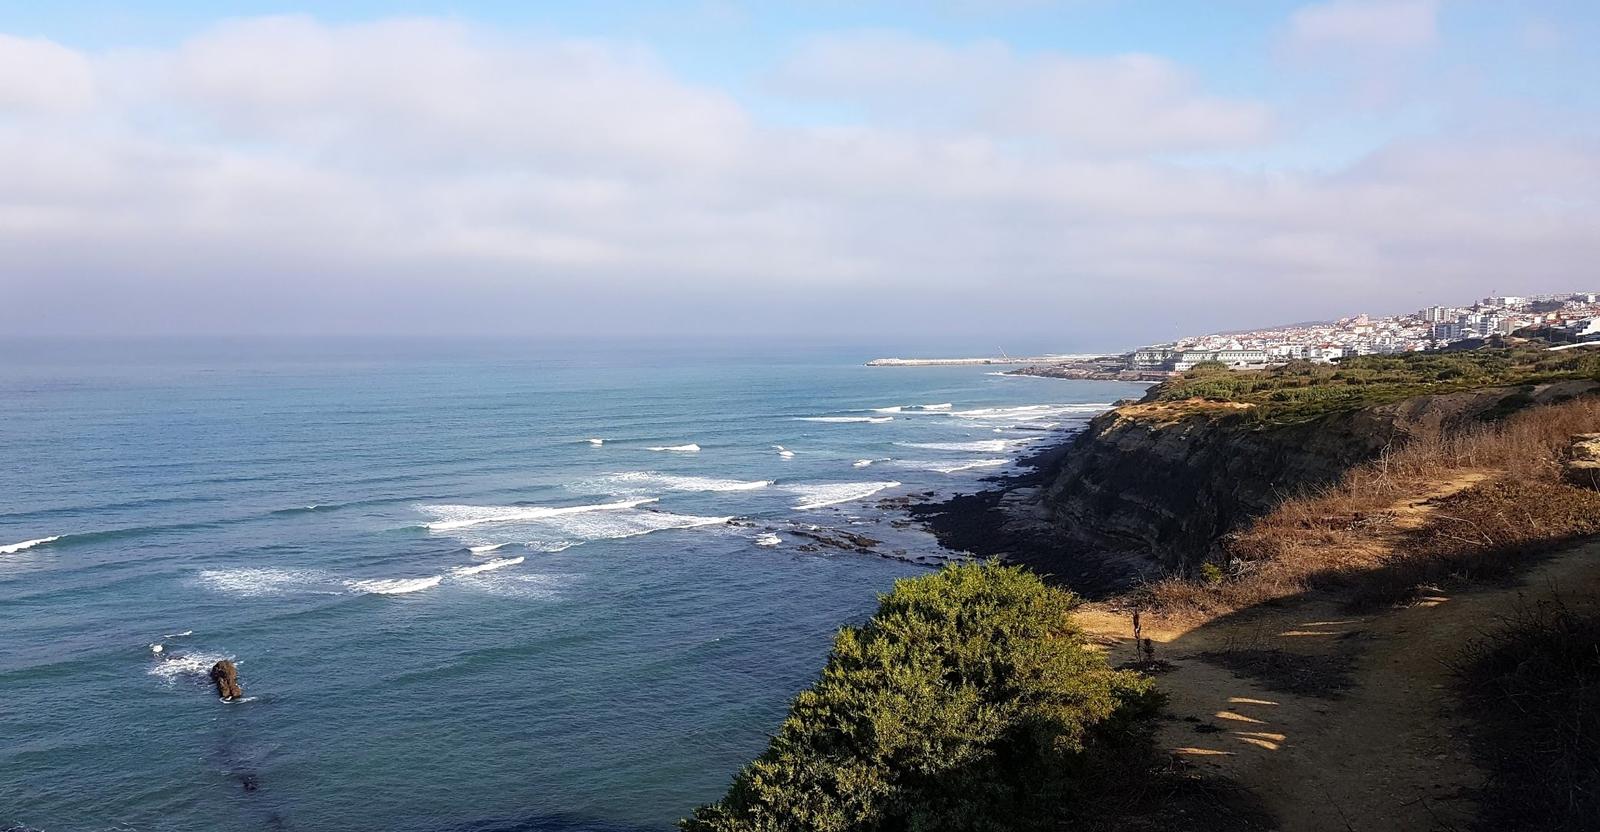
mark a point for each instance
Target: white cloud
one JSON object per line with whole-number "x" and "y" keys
{"x": 41, "y": 75}
{"x": 1124, "y": 104}
{"x": 418, "y": 175}
{"x": 1366, "y": 24}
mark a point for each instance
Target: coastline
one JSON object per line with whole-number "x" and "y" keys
{"x": 1008, "y": 521}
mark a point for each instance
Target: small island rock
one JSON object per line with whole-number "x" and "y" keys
{"x": 226, "y": 678}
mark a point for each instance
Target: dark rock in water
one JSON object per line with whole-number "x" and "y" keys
{"x": 839, "y": 539}
{"x": 226, "y": 677}
{"x": 1582, "y": 465}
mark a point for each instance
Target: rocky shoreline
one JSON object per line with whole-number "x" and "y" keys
{"x": 1010, "y": 521}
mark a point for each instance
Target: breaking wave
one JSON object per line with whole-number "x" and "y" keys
{"x": 980, "y": 445}
{"x": 828, "y": 494}
{"x": 251, "y": 582}
{"x": 461, "y": 571}
{"x": 768, "y": 540}
{"x": 1029, "y": 412}
{"x": 842, "y": 420}
{"x": 650, "y": 481}
{"x": 460, "y": 517}
{"x": 395, "y": 586}
{"x": 172, "y": 668}
{"x": 954, "y": 467}
{"x": 689, "y": 448}
{"x": 615, "y": 526}
{"x": 27, "y": 544}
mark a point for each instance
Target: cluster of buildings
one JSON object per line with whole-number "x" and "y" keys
{"x": 1572, "y": 317}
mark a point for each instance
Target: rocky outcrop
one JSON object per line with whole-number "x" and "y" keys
{"x": 226, "y": 677}
{"x": 1582, "y": 464}
{"x": 1168, "y": 480}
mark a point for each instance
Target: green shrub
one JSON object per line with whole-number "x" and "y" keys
{"x": 969, "y": 701}
{"x": 1301, "y": 391}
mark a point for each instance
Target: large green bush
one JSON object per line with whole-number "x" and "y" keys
{"x": 969, "y": 701}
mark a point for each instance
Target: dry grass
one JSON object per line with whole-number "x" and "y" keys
{"x": 1367, "y": 531}
{"x": 1531, "y": 687}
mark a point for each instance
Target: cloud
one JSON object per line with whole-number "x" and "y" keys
{"x": 1124, "y": 104}
{"x": 417, "y": 175}
{"x": 1365, "y": 24}
{"x": 38, "y": 74}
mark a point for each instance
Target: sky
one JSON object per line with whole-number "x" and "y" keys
{"x": 1080, "y": 173}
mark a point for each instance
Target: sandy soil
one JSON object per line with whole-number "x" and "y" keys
{"x": 1338, "y": 722}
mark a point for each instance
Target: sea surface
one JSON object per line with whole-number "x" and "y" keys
{"x": 470, "y": 585}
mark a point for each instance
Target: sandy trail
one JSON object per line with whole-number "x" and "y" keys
{"x": 1339, "y": 722}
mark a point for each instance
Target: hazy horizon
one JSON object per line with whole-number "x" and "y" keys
{"x": 1076, "y": 175}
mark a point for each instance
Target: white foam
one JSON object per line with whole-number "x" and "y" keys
{"x": 460, "y": 517}
{"x": 784, "y": 452}
{"x": 515, "y": 585}
{"x": 460, "y": 571}
{"x": 257, "y": 582}
{"x": 981, "y": 445}
{"x": 395, "y": 586}
{"x": 27, "y": 544}
{"x": 1029, "y": 412}
{"x": 955, "y": 467}
{"x": 842, "y": 420}
{"x": 688, "y": 449}
{"x": 768, "y": 540}
{"x": 818, "y": 495}
{"x": 597, "y": 442}
{"x": 486, "y": 548}
{"x": 171, "y": 668}
{"x": 618, "y": 525}
{"x": 914, "y": 408}
{"x": 861, "y": 463}
{"x": 650, "y": 481}
{"x": 156, "y": 648}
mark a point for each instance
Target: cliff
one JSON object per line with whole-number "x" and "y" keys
{"x": 1160, "y": 482}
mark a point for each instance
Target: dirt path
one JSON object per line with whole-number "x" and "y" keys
{"x": 1337, "y": 722}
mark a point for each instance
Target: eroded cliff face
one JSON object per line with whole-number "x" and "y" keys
{"x": 1167, "y": 481}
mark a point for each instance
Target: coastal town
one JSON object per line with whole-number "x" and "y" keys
{"x": 1562, "y": 318}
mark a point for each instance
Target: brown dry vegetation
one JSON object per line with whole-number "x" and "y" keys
{"x": 1495, "y": 494}
{"x": 1531, "y": 686}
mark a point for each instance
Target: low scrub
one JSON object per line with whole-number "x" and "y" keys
{"x": 1531, "y": 690}
{"x": 1302, "y": 391}
{"x": 1357, "y": 535}
{"x": 969, "y": 701}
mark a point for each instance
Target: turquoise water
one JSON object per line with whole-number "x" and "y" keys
{"x": 449, "y": 609}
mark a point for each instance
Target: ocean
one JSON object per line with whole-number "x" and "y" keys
{"x": 469, "y": 585}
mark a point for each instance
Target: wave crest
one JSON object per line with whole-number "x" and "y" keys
{"x": 27, "y": 544}
{"x": 462, "y": 516}
{"x": 818, "y": 495}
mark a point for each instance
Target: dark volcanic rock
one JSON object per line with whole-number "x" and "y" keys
{"x": 839, "y": 539}
{"x": 226, "y": 677}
